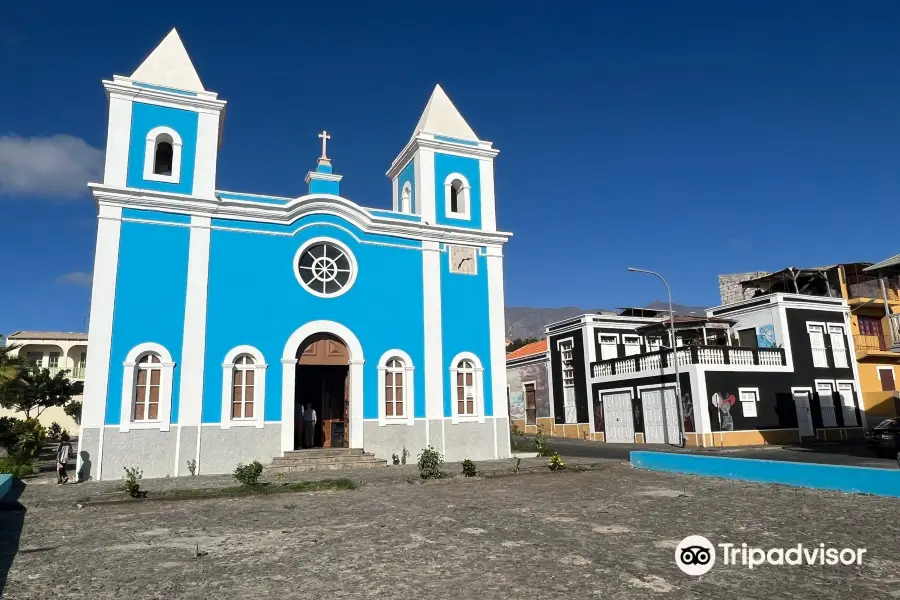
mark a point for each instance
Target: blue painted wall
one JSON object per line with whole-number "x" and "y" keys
{"x": 408, "y": 174}
{"x": 465, "y": 325}
{"x": 145, "y": 117}
{"x": 444, "y": 165}
{"x": 151, "y": 286}
{"x": 255, "y": 299}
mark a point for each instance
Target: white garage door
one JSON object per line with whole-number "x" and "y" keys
{"x": 617, "y": 417}
{"x": 660, "y": 422}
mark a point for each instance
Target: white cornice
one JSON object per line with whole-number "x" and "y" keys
{"x": 322, "y": 176}
{"x": 286, "y": 214}
{"x": 201, "y": 102}
{"x": 482, "y": 150}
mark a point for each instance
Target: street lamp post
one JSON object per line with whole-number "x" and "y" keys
{"x": 674, "y": 353}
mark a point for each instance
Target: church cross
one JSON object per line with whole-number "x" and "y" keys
{"x": 325, "y": 137}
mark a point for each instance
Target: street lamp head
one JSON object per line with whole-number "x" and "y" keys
{"x": 632, "y": 269}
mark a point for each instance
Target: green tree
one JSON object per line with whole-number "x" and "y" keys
{"x": 34, "y": 390}
{"x": 10, "y": 366}
{"x": 518, "y": 343}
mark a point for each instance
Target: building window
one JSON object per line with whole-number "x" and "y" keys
{"x": 146, "y": 390}
{"x": 457, "y": 197}
{"x": 886, "y": 376}
{"x": 467, "y": 374}
{"x": 609, "y": 346}
{"x": 393, "y": 388}
{"x": 848, "y": 406}
{"x": 654, "y": 343}
{"x": 325, "y": 267}
{"x": 53, "y": 362}
{"x": 749, "y": 398}
{"x": 406, "y": 198}
{"x": 567, "y": 362}
{"x": 36, "y": 358}
{"x": 817, "y": 344}
{"x": 242, "y": 388}
{"x": 162, "y": 155}
{"x": 632, "y": 344}
{"x": 825, "y": 391}
{"x": 530, "y": 404}
{"x": 838, "y": 347}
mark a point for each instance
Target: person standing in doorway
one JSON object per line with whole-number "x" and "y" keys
{"x": 63, "y": 451}
{"x": 309, "y": 425}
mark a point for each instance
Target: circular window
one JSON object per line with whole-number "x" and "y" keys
{"x": 325, "y": 267}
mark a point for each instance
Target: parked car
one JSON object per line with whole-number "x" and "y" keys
{"x": 884, "y": 438}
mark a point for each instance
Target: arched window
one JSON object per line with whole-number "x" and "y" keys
{"x": 162, "y": 161}
{"x": 406, "y": 198}
{"x": 242, "y": 387}
{"x": 457, "y": 200}
{"x": 395, "y": 388}
{"x": 465, "y": 388}
{"x": 146, "y": 389}
{"x": 162, "y": 155}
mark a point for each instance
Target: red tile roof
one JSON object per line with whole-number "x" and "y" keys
{"x": 538, "y": 347}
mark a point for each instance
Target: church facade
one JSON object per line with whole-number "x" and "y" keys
{"x": 217, "y": 316}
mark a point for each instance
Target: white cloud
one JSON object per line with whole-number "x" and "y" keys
{"x": 58, "y": 166}
{"x": 79, "y": 278}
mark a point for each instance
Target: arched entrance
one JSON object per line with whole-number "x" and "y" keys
{"x": 292, "y": 378}
{"x": 322, "y": 388}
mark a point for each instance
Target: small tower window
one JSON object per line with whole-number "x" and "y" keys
{"x": 406, "y": 198}
{"x": 458, "y": 204}
{"x": 162, "y": 159}
{"x": 162, "y": 163}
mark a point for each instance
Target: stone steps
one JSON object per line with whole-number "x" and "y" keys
{"x": 324, "y": 459}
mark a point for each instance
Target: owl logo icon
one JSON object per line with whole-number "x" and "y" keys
{"x": 695, "y": 555}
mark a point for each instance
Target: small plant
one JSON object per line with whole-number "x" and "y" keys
{"x": 132, "y": 476}
{"x": 192, "y": 466}
{"x": 280, "y": 478}
{"x": 404, "y": 455}
{"x": 16, "y": 467}
{"x": 395, "y": 459}
{"x": 514, "y": 431}
{"x": 541, "y": 446}
{"x": 54, "y": 431}
{"x": 248, "y": 474}
{"x": 430, "y": 461}
{"x": 468, "y": 468}
{"x": 516, "y": 465}
{"x": 556, "y": 462}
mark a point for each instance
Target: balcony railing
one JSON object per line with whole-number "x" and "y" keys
{"x": 867, "y": 286}
{"x": 77, "y": 373}
{"x": 689, "y": 355}
{"x": 871, "y": 342}
{"x": 894, "y": 324}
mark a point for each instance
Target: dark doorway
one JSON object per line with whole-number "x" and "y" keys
{"x": 322, "y": 384}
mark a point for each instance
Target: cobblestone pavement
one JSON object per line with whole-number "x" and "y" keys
{"x": 608, "y": 533}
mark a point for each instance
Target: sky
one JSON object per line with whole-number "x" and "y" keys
{"x": 693, "y": 138}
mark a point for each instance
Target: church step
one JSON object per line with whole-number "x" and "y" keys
{"x": 324, "y": 452}
{"x": 332, "y": 466}
{"x": 321, "y": 460}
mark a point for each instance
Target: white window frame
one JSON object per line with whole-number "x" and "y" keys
{"x": 837, "y": 329}
{"x": 150, "y": 155}
{"x": 259, "y": 388}
{"x": 810, "y": 325}
{"x": 465, "y": 197}
{"x": 405, "y": 204}
{"x": 651, "y": 347}
{"x": 613, "y": 344}
{"x": 831, "y": 384}
{"x": 880, "y": 368}
{"x": 837, "y": 391}
{"x": 570, "y": 406}
{"x": 635, "y": 342}
{"x": 409, "y": 383}
{"x": 38, "y": 361}
{"x": 755, "y": 404}
{"x": 129, "y": 382}
{"x": 479, "y": 389}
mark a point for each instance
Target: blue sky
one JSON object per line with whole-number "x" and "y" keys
{"x": 694, "y": 137}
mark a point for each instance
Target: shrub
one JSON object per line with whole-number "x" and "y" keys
{"x": 248, "y": 474}
{"x": 192, "y": 466}
{"x": 279, "y": 478}
{"x": 15, "y": 467}
{"x": 515, "y": 432}
{"x": 516, "y": 465}
{"x": 404, "y": 455}
{"x": 54, "y": 431}
{"x": 468, "y": 468}
{"x": 541, "y": 446}
{"x": 430, "y": 461}
{"x": 556, "y": 462}
{"x": 73, "y": 409}
{"x": 395, "y": 459}
{"x": 131, "y": 477}
{"x": 21, "y": 437}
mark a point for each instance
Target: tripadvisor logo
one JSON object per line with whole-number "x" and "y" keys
{"x": 696, "y": 555}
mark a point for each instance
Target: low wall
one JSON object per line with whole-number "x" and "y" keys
{"x": 859, "y": 480}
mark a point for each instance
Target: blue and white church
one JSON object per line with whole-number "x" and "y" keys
{"x": 217, "y": 316}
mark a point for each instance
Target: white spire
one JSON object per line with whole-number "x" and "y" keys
{"x": 170, "y": 66}
{"x": 442, "y": 118}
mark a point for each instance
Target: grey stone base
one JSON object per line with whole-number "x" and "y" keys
{"x": 456, "y": 442}
{"x": 222, "y": 449}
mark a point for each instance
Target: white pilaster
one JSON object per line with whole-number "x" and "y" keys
{"x": 425, "y": 190}
{"x": 207, "y": 154}
{"x": 498, "y": 339}
{"x": 488, "y": 208}
{"x": 433, "y": 335}
{"x": 395, "y": 194}
{"x": 118, "y": 138}
{"x": 587, "y": 333}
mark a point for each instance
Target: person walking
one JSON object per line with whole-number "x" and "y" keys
{"x": 309, "y": 426}
{"x": 63, "y": 451}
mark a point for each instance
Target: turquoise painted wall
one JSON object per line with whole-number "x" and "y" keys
{"x": 145, "y": 117}
{"x": 151, "y": 286}
{"x": 255, "y": 299}
{"x": 465, "y": 325}
{"x": 444, "y": 165}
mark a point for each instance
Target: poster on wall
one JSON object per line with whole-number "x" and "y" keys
{"x": 687, "y": 411}
{"x": 765, "y": 336}
{"x": 517, "y": 405}
{"x": 723, "y": 403}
